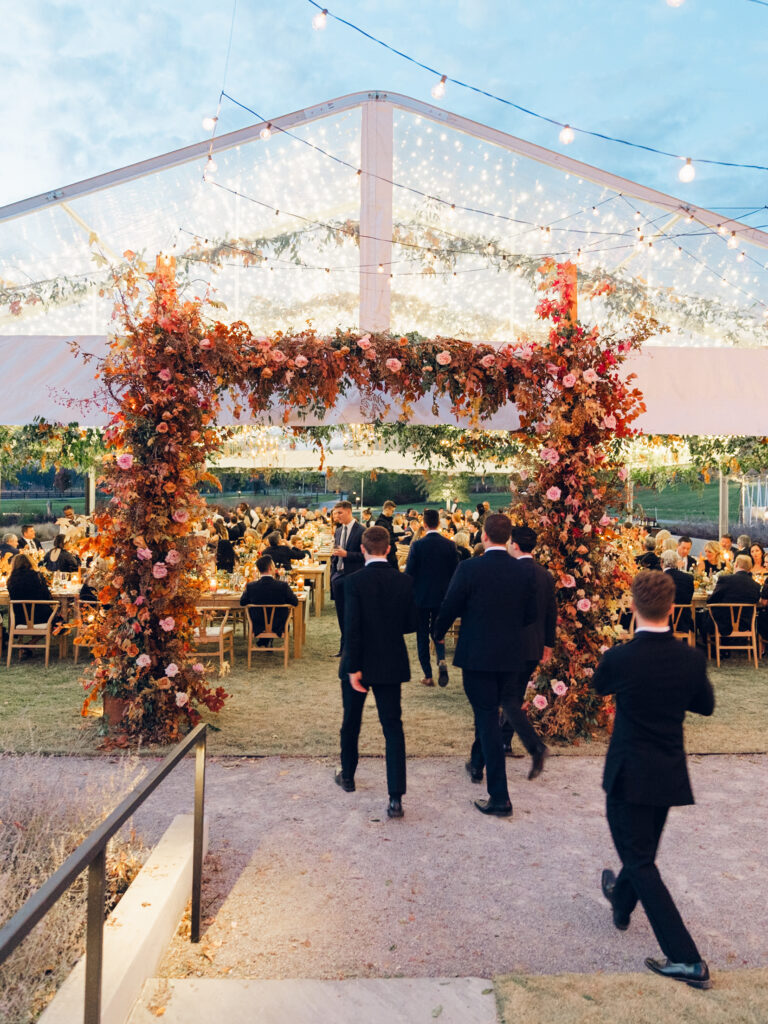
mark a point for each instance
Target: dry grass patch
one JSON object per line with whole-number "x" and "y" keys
{"x": 737, "y": 997}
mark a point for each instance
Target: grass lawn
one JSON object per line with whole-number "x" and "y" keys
{"x": 297, "y": 711}
{"x": 674, "y": 504}
{"x": 737, "y": 997}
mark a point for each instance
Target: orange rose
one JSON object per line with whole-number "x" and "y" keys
{"x": 162, "y": 427}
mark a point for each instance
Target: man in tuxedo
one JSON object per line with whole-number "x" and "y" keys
{"x": 379, "y": 608}
{"x": 386, "y": 520}
{"x": 649, "y": 559}
{"x": 346, "y": 558}
{"x": 28, "y": 542}
{"x": 10, "y": 545}
{"x": 431, "y": 562}
{"x": 686, "y": 559}
{"x": 267, "y": 590}
{"x": 282, "y": 554}
{"x": 494, "y": 597}
{"x": 737, "y": 587}
{"x": 538, "y": 643}
{"x": 683, "y": 587}
{"x": 656, "y": 680}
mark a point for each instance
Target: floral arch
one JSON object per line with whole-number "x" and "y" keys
{"x": 168, "y": 371}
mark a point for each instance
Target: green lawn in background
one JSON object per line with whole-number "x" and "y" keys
{"x": 675, "y": 504}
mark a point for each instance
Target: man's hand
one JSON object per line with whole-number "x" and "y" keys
{"x": 546, "y": 656}
{"x": 339, "y": 553}
{"x": 355, "y": 681}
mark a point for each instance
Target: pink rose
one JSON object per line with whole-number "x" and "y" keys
{"x": 365, "y": 342}
{"x": 198, "y": 667}
{"x": 172, "y": 670}
{"x": 167, "y": 623}
{"x": 124, "y": 461}
{"x": 550, "y": 455}
{"x": 173, "y": 557}
{"x": 554, "y": 493}
{"x": 488, "y": 361}
{"x": 144, "y": 554}
{"x": 139, "y": 600}
{"x": 569, "y": 380}
{"x": 589, "y": 375}
{"x": 180, "y": 515}
{"x": 394, "y": 365}
{"x": 206, "y": 343}
{"x": 567, "y": 580}
{"x": 584, "y": 604}
{"x": 165, "y": 375}
{"x": 609, "y": 422}
{"x": 443, "y": 358}
{"x": 278, "y": 356}
{"x": 539, "y": 701}
{"x": 623, "y": 474}
{"x": 143, "y": 661}
{"x": 605, "y": 521}
{"x": 159, "y": 571}
{"x": 559, "y": 687}
{"x": 301, "y": 361}
{"x": 181, "y": 700}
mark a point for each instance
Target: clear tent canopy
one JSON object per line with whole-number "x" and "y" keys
{"x": 378, "y": 210}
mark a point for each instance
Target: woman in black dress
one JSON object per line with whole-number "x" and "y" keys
{"x": 60, "y": 558}
{"x": 26, "y": 584}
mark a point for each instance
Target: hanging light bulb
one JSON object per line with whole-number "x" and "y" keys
{"x": 733, "y": 241}
{"x": 566, "y": 135}
{"x": 675, "y": 3}
{"x": 266, "y": 132}
{"x": 209, "y": 123}
{"x": 741, "y": 257}
{"x": 320, "y": 20}
{"x": 438, "y": 90}
{"x": 722, "y": 229}
{"x": 211, "y": 165}
{"x": 687, "y": 172}
{"x": 381, "y": 268}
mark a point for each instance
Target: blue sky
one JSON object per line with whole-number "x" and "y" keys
{"x": 89, "y": 86}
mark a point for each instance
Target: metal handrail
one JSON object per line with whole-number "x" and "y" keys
{"x": 91, "y": 854}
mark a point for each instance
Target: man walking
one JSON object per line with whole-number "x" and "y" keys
{"x": 379, "y": 609}
{"x": 431, "y": 562}
{"x": 656, "y": 680}
{"x": 538, "y": 642}
{"x": 386, "y": 519}
{"x": 346, "y": 558}
{"x": 494, "y": 597}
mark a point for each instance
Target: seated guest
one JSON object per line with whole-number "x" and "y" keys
{"x": 60, "y": 558}
{"x": 461, "y": 540}
{"x": 711, "y": 559}
{"x": 683, "y": 588}
{"x": 737, "y": 587}
{"x": 743, "y": 544}
{"x": 762, "y": 614}
{"x": 10, "y": 544}
{"x": 267, "y": 590}
{"x": 649, "y": 559}
{"x": 661, "y": 537}
{"x": 726, "y": 545}
{"x": 26, "y": 584}
{"x": 757, "y": 555}
{"x": 686, "y": 561}
{"x": 225, "y": 551}
{"x": 28, "y": 542}
{"x": 281, "y": 553}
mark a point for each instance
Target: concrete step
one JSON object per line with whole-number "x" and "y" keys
{"x": 309, "y": 1001}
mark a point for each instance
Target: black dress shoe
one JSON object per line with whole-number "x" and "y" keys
{"x": 608, "y": 884}
{"x": 442, "y": 674}
{"x": 348, "y": 785}
{"x": 474, "y": 773}
{"x": 395, "y": 807}
{"x": 489, "y": 807}
{"x": 538, "y": 757}
{"x": 695, "y": 975}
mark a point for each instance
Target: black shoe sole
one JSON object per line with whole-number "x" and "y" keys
{"x": 442, "y": 677}
{"x": 474, "y": 776}
{"x": 704, "y": 984}
{"x": 344, "y": 784}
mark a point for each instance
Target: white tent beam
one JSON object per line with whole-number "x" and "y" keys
{"x": 375, "y": 216}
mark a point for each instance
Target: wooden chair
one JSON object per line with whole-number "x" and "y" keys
{"x": 743, "y": 619}
{"x": 85, "y": 613}
{"x": 214, "y": 635}
{"x": 22, "y": 627}
{"x": 680, "y": 633}
{"x": 268, "y": 632}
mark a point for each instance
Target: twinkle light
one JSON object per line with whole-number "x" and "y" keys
{"x": 209, "y": 123}
{"x": 320, "y": 20}
{"x": 687, "y": 172}
{"x": 266, "y": 132}
{"x": 438, "y": 89}
{"x": 733, "y": 241}
{"x": 211, "y": 165}
{"x": 675, "y": 3}
{"x": 566, "y": 135}
{"x": 741, "y": 257}
{"x": 381, "y": 268}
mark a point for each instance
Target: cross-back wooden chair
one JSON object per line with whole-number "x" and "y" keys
{"x": 26, "y": 634}
{"x": 268, "y": 632}
{"x": 684, "y": 628}
{"x": 743, "y": 620}
{"x": 214, "y": 635}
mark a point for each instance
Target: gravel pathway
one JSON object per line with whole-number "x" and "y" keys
{"x": 304, "y": 880}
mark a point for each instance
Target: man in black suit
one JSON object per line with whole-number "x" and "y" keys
{"x": 656, "y": 680}
{"x": 649, "y": 559}
{"x": 494, "y": 597}
{"x": 538, "y": 643}
{"x": 386, "y": 519}
{"x": 686, "y": 559}
{"x": 379, "y": 609}
{"x": 683, "y": 587}
{"x": 282, "y": 554}
{"x": 28, "y": 542}
{"x": 431, "y": 562}
{"x": 346, "y": 558}
{"x": 267, "y": 590}
{"x": 737, "y": 587}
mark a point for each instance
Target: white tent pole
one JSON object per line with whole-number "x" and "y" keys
{"x": 375, "y": 215}
{"x": 723, "y": 516}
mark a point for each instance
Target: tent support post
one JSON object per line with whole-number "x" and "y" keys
{"x": 723, "y": 516}
{"x": 375, "y": 215}
{"x": 90, "y": 492}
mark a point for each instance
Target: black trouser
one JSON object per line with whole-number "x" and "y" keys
{"x": 514, "y": 719}
{"x": 487, "y": 692}
{"x": 388, "y": 707}
{"x": 425, "y": 622}
{"x": 636, "y": 831}
{"x": 337, "y": 593}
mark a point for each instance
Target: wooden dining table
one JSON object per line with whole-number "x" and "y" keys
{"x": 317, "y": 573}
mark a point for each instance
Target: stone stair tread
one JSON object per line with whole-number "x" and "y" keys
{"x": 313, "y": 1001}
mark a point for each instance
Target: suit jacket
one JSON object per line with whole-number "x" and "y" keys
{"x": 268, "y": 590}
{"x": 733, "y": 588}
{"x": 495, "y": 599}
{"x": 648, "y": 560}
{"x": 656, "y": 680}
{"x": 354, "y": 560}
{"x": 683, "y": 595}
{"x": 541, "y": 632}
{"x": 379, "y": 608}
{"x": 431, "y": 562}
{"x": 33, "y": 544}
{"x": 282, "y": 554}
{"x": 690, "y": 563}
{"x": 387, "y": 523}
